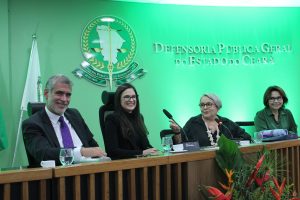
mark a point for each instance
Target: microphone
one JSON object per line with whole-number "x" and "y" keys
{"x": 171, "y": 117}
{"x": 220, "y": 123}
{"x": 168, "y": 114}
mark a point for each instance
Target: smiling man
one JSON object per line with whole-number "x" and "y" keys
{"x": 57, "y": 126}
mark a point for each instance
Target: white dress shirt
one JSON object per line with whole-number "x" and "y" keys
{"x": 56, "y": 125}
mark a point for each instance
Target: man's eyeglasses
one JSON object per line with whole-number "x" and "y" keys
{"x": 208, "y": 105}
{"x": 275, "y": 98}
{"x": 128, "y": 97}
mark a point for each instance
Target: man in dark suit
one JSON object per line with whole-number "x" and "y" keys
{"x": 42, "y": 134}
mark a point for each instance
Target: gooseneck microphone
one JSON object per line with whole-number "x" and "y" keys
{"x": 168, "y": 114}
{"x": 220, "y": 123}
{"x": 171, "y": 117}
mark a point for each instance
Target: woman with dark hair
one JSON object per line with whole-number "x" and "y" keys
{"x": 275, "y": 115}
{"x": 125, "y": 131}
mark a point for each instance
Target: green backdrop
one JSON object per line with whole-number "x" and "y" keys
{"x": 245, "y": 34}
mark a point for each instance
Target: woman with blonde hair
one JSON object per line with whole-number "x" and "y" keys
{"x": 207, "y": 127}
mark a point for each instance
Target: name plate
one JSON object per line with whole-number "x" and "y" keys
{"x": 191, "y": 146}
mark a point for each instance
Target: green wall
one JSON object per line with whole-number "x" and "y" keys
{"x": 176, "y": 87}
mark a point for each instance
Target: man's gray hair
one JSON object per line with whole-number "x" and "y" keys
{"x": 214, "y": 98}
{"x": 59, "y": 78}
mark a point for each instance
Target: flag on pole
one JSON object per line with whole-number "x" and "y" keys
{"x": 33, "y": 86}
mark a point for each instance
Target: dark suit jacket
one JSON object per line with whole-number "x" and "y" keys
{"x": 40, "y": 139}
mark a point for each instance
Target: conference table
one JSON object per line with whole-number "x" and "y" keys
{"x": 174, "y": 176}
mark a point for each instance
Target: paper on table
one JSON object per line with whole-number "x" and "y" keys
{"x": 89, "y": 159}
{"x": 179, "y": 151}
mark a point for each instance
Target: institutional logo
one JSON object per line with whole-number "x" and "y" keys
{"x": 108, "y": 45}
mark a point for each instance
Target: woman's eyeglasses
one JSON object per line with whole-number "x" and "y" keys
{"x": 128, "y": 97}
{"x": 208, "y": 105}
{"x": 275, "y": 98}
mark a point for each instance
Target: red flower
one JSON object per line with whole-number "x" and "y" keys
{"x": 218, "y": 195}
{"x": 280, "y": 188}
{"x": 260, "y": 181}
{"x": 255, "y": 171}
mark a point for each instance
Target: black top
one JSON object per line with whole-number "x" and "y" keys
{"x": 118, "y": 146}
{"x": 196, "y": 130}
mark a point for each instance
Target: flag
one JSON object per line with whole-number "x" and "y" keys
{"x": 3, "y": 137}
{"x": 33, "y": 87}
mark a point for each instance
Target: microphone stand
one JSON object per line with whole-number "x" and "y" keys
{"x": 220, "y": 123}
{"x": 190, "y": 146}
{"x": 181, "y": 130}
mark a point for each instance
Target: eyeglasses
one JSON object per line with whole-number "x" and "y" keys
{"x": 275, "y": 98}
{"x": 208, "y": 105}
{"x": 128, "y": 97}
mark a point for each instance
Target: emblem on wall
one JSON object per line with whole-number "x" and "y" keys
{"x": 108, "y": 45}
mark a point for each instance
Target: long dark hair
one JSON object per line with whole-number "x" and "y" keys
{"x": 126, "y": 126}
{"x": 268, "y": 92}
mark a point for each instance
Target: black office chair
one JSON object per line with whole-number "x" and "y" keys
{"x": 31, "y": 109}
{"x": 34, "y": 107}
{"x": 245, "y": 123}
{"x": 167, "y": 132}
{"x": 106, "y": 108}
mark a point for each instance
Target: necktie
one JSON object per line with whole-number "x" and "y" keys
{"x": 65, "y": 133}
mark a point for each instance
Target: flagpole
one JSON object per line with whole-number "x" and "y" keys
{"x": 17, "y": 140}
{"x": 32, "y": 89}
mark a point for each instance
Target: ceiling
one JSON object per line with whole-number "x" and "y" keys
{"x": 244, "y": 3}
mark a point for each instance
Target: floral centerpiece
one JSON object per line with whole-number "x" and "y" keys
{"x": 248, "y": 180}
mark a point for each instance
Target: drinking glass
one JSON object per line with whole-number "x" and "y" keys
{"x": 257, "y": 136}
{"x": 167, "y": 144}
{"x": 66, "y": 156}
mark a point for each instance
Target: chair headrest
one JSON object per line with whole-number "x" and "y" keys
{"x": 108, "y": 97}
{"x": 245, "y": 123}
{"x": 34, "y": 107}
{"x": 166, "y": 132}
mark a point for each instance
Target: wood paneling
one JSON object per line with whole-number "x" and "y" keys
{"x": 176, "y": 176}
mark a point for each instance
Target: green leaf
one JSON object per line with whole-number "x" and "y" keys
{"x": 229, "y": 155}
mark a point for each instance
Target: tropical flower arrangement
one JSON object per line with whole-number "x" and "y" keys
{"x": 248, "y": 180}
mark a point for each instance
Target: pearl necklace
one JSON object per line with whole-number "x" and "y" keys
{"x": 210, "y": 136}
